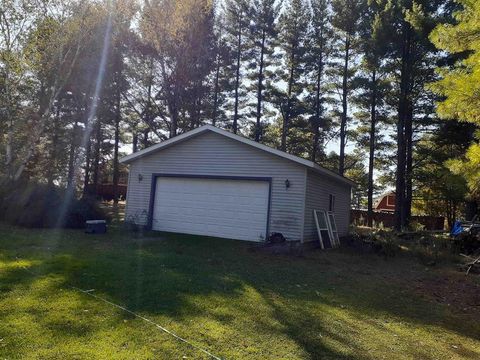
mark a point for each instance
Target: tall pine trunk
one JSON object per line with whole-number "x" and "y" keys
{"x": 145, "y": 140}
{"x": 86, "y": 181}
{"x": 172, "y": 89}
{"x": 216, "y": 91}
{"x": 53, "y": 150}
{"x": 409, "y": 165}
{"x": 71, "y": 158}
{"x": 343, "y": 124}
{"x": 258, "y": 128}
{"x": 135, "y": 141}
{"x": 96, "y": 163}
{"x": 373, "y": 122}
{"x": 318, "y": 108}
{"x": 237, "y": 77}
{"x": 196, "y": 120}
{"x": 9, "y": 123}
{"x": 403, "y": 105}
{"x": 286, "y": 112}
{"x": 115, "y": 148}
{"x": 174, "y": 122}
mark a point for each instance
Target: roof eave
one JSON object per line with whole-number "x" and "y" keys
{"x": 172, "y": 141}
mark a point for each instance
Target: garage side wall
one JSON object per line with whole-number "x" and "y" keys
{"x": 215, "y": 155}
{"x": 319, "y": 187}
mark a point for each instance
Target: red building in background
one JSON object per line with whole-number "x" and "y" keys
{"x": 384, "y": 207}
{"x": 386, "y": 202}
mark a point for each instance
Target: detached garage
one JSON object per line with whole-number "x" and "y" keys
{"x": 211, "y": 182}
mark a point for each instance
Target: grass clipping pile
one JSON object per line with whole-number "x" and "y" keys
{"x": 429, "y": 248}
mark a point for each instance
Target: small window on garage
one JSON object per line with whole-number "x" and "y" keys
{"x": 331, "y": 202}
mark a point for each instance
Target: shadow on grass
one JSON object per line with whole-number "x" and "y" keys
{"x": 160, "y": 274}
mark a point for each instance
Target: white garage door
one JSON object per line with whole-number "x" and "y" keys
{"x": 235, "y": 209}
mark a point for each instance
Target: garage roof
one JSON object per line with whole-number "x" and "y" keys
{"x": 202, "y": 129}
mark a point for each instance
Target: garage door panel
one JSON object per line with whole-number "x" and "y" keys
{"x": 240, "y": 217}
{"x": 236, "y": 209}
{"x": 209, "y": 230}
{"x": 240, "y": 203}
{"x": 184, "y": 208}
{"x": 213, "y": 228}
{"x": 242, "y": 220}
{"x": 212, "y": 218}
{"x": 237, "y": 198}
{"x": 189, "y": 198}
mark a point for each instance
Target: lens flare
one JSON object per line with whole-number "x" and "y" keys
{"x": 91, "y": 114}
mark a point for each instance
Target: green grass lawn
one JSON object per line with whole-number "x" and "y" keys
{"x": 236, "y": 303}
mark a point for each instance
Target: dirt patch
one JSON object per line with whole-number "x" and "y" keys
{"x": 285, "y": 248}
{"x": 461, "y": 293}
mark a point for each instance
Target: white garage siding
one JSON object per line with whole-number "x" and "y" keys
{"x": 212, "y": 154}
{"x": 317, "y": 193}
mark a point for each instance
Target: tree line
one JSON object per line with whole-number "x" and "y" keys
{"x": 82, "y": 82}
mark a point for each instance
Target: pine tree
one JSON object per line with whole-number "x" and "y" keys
{"x": 146, "y": 113}
{"x": 219, "y": 77}
{"x": 262, "y": 39}
{"x": 319, "y": 52}
{"x": 347, "y": 15}
{"x": 415, "y": 106}
{"x": 236, "y": 31}
{"x": 293, "y": 25}
{"x": 122, "y": 35}
{"x": 374, "y": 81}
{"x": 181, "y": 33}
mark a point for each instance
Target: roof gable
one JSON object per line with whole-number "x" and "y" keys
{"x": 200, "y": 130}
